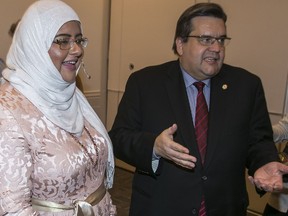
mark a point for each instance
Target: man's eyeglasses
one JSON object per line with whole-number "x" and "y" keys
{"x": 66, "y": 44}
{"x": 206, "y": 40}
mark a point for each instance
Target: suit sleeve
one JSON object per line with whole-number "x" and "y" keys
{"x": 131, "y": 144}
{"x": 262, "y": 149}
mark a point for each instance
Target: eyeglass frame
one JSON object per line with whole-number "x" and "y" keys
{"x": 83, "y": 42}
{"x": 226, "y": 40}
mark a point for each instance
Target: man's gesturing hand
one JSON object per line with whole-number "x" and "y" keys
{"x": 165, "y": 147}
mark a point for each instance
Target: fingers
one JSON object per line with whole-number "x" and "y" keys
{"x": 269, "y": 177}
{"x": 265, "y": 185}
{"x": 165, "y": 147}
{"x": 277, "y": 188}
{"x": 164, "y": 142}
{"x": 283, "y": 168}
{"x": 270, "y": 188}
{"x": 172, "y": 129}
{"x": 179, "y": 155}
{"x": 183, "y": 159}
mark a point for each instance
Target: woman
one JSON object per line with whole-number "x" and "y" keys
{"x": 55, "y": 155}
{"x": 278, "y": 202}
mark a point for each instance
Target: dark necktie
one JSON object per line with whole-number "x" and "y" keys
{"x": 201, "y": 128}
{"x": 201, "y": 120}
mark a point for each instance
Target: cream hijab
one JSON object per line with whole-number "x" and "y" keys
{"x": 32, "y": 72}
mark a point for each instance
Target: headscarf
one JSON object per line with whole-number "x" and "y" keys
{"x": 31, "y": 71}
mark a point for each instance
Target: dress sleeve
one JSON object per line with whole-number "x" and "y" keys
{"x": 15, "y": 168}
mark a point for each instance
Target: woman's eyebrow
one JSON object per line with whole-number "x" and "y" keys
{"x": 67, "y": 35}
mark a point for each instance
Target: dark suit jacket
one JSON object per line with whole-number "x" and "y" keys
{"x": 239, "y": 136}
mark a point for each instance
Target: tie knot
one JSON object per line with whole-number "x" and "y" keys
{"x": 199, "y": 85}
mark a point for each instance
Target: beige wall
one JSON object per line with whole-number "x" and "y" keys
{"x": 10, "y": 11}
{"x": 256, "y": 28}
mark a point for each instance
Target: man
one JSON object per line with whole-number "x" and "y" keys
{"x": 157, "y": 131}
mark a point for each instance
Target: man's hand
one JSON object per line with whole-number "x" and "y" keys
{"x": 165, "y": 147}
{"x": 269, "y": 177}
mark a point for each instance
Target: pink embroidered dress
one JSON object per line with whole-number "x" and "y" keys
{"x": 40, "y": 160}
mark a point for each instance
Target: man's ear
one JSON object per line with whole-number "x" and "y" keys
{"x": 179, "y": 46}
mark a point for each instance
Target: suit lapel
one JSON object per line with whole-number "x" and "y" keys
{"x": 217, "y": 113}
{"x": 180, "y": 105}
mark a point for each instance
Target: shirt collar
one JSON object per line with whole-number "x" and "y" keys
{"x": 189, "y": 80}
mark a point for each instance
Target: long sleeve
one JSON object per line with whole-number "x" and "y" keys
{"x": 15, "y": 169}
{"x": 130, "y": 143}
{"x": 280, "y": 130}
